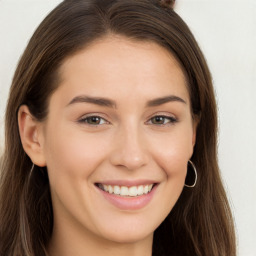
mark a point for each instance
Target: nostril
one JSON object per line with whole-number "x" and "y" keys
{"x": 128, "y": 160}
{"x": 130, "y": 151}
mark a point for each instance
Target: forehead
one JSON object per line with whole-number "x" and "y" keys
{"x": 117, "y": 64}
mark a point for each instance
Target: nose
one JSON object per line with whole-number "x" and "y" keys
{"x": 130, "y": 150}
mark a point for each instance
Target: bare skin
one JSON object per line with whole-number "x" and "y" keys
{"x": 121, "y": 116}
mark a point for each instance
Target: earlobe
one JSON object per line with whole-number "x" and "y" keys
{"x": 31, "y": 136}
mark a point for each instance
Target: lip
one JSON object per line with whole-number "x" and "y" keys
{"x": 127, "y": 183}
{"x": 128, "y": 203}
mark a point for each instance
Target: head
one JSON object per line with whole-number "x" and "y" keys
{"x": 86, "y": 34}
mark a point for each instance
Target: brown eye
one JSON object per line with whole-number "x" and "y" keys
{"x": 93, "y": 120}
{"x": 162, "y": 120}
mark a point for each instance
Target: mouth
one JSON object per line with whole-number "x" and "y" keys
{"x": 125, "y": 191}
{"x": 128, "y": 195}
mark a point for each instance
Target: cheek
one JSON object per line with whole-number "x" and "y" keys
{"x": 173, "y": 152}
{"x": 73, "y": 154}
{"x": 171, "y": 155}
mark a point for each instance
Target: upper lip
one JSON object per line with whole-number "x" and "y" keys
{"x": 127, "y": 183}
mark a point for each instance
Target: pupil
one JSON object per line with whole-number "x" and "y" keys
{"x": 94, "y": 120}
{"x": 159, "y": 119}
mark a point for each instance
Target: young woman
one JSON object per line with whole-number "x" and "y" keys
{"x": 111, "y": 138}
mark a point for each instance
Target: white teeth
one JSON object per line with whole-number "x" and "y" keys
{"x": 127, "y": 191}
{"x": 146, "y": 189}
{"x": 124, "y": 191}
{"x": 133, "y": 191}
{"x": 117, "y": 190}
{"x": 110, "y": 189}
{"x": 140, "y": 190}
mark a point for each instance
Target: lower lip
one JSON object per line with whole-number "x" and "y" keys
{"x": 129, "y": 203}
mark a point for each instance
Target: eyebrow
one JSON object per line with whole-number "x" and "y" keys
{"x": 163, "y": 100}
{"x": 93, "y": 100}
{"x": 110, "y": 103}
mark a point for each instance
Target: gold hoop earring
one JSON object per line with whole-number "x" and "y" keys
{"x": 194, "y": 169}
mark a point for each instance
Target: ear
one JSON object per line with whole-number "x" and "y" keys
{"x": 31, "y": 135}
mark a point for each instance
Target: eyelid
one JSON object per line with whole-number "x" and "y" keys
{"x": 171, "y": 117}
{"x": 163, "y": 113}
{"x": 83, "y": 118}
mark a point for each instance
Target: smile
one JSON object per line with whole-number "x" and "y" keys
{"x": 124, "y": 191}
{"x": 127, "y": 195}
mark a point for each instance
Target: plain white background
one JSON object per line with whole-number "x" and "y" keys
{"x": 226, "y": 32}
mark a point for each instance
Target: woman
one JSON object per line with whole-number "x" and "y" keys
{"x": 111, "y": 138}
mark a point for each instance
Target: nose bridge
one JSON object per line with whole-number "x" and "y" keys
{"x": 130, "y": 150}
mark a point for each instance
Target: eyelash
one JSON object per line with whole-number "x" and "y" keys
{"x": 86, "y": 120}
{"x": 168, "y": 120}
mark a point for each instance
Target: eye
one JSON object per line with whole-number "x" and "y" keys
{"x": 162, "y": 120}
{"x": 93, "y": 120}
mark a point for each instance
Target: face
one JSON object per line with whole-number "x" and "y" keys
{"x": 117, "y": 139}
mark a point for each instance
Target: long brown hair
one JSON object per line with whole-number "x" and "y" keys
{"x": 200, "y": 223}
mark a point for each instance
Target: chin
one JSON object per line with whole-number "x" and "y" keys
{"x": 128, "y": 237}
{"x": 130, "y": 232}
